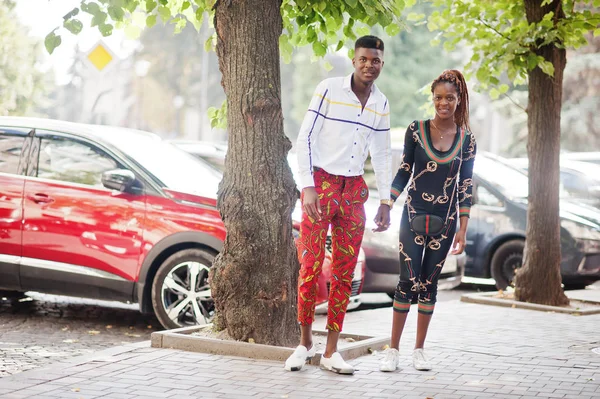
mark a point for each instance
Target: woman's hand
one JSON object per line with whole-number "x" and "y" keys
{"x": 460, "y": 241}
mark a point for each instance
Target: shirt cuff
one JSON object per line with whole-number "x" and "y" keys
{"x": 464, "y": 211}
{"x": 307, "y": 180}
{"x": 395, "y": 193}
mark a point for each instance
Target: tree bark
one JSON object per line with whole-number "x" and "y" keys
{"x": 254, "y": 278}
{"x": 539, "y": 280}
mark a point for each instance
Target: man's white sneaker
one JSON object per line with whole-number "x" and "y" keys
{"x": 420, "y": 360}
{"x": 336, "y": 364}
{"x": 299, "y": 357}
{"x": 390, "y": 361}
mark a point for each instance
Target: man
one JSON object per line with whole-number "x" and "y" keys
{"x": 348, "y": 117}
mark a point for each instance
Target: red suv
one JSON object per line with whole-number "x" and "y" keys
{"x": 110, "y": 213}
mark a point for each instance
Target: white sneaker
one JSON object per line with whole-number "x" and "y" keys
{"x": 336, "y": 364}
{"x": 299, "y": 357}
{"x": 390, "y": 360}
{"x": 420, "y": 361}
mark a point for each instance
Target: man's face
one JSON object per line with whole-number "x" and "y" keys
{"x": 367, "y": 64}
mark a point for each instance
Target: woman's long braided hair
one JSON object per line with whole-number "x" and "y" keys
{"x": 456, "y": 78}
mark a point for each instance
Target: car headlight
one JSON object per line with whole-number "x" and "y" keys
{"x": 581, "y": 231}
{"x": 587, "y": 237}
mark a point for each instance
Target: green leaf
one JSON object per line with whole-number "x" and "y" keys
{"x": 164, "y": 12}
{"x": 392, "y": 29}
{"x": 547, "y": 67}
{"x": 482, "y": 74}
{"x": 73, "y": 25}
{"x": 363, "y": 30}
{"x": 150, "y": 5}
{"x": 494, "y": 94}
{"x": 413, "y": 16}
{"x": 151, "y": 21}
{"x": 116, "y": 13}
{"x": 327, "y": 65}
{"x": 185, "y": 5}
{"x": 99, "y": 19}
{"x": 596, "y": 32}
{"x": 319, "y": 49}
{"x": 52, "y": 41}
{"x": 503, "y": 88}
{"x": 71, "y": 13}
{"x": 91, "y": 8}
{"x": 105, "y": 29}
{"x": 352, "y": 3}
{"x": 285, "y": 48}
{"x": 339, "y": 45}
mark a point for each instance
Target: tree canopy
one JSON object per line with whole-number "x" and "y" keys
{"x": 23, "y": 84}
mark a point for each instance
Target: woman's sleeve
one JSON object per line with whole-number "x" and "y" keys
{"x": 406, "y": 167}
{"x": 465, "y": 182}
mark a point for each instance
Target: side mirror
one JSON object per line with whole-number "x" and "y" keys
{"x": 118, "y": 179}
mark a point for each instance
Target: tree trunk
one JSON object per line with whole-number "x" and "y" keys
{"x": 539, "y": 280}
{"x": 254, "y": 278}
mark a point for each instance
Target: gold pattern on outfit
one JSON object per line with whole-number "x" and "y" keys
{"x": 437, "y": 181}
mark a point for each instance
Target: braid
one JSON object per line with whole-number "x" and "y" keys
{"x": 454, "y": 77}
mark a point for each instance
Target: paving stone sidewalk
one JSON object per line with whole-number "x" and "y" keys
{"x": 478, "y": 351}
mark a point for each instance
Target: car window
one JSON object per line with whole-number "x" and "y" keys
{"x": 11, "y": 148}
{"x": 72, "y": 161}
{"x": 486, "y": 198}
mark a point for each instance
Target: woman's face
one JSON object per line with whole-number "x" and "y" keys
{"x": 445, "y": 100}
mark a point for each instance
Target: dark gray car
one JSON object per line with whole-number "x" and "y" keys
{"x": 496, "y": 234}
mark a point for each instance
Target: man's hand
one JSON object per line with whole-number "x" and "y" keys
{"x": 311, "y": 204}
{"x": 458, "y": 246}
{"x": 382, "y": 219}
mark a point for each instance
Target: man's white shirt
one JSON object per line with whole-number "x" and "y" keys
{"x": 337, "y": 134}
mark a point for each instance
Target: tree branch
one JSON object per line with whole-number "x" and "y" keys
{"x": 494, "y": 29}
{"x": 515, "y": 103}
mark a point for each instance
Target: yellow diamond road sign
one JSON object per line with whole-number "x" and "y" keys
{"x": 100, "y": 56}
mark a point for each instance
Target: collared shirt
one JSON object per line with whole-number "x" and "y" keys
{"x": 337, "y": 134}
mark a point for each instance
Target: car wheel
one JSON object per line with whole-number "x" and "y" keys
{"x": 181, "y": 294}
{"x": 507, "y": 258}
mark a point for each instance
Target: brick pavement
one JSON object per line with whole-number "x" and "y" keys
{"x": 49, "y": 328}
{"x": 478, "y": 351}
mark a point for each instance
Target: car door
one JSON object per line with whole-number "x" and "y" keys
{"x": 79, "y": 238}
{"x": 14, "y": 151}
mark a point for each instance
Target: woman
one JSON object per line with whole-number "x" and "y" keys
{"x": 439, "y": 155}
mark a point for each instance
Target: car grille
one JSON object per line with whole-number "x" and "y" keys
{"x": 355, "y": 287}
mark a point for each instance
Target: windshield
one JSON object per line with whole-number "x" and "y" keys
{"x": 511, "y": 182}
{"x": 175, "y": 168}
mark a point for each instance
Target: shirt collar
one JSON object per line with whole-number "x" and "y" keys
{"x": 348, "y": 86}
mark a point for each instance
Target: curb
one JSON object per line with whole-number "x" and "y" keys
{"x": 182, "y": 339}
{"x": 489, "y": 298}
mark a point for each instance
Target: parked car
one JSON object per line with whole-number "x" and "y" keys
{"x": 213, "y": 153}
{"x": 496, "y": 235}
{"x": 380, "y": 249}
{"x": 579, "y": 180}
{"x": 110, "y": 213}
{"x": 591, "y": 156}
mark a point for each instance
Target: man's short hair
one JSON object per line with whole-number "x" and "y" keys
{"x": 369, "y": 41}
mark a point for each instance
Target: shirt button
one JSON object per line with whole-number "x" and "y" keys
{"x": 352, "y": 156}
{"x": 354, "y": 143}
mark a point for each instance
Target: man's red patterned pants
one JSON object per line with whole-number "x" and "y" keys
{"x": 342, "y": 203}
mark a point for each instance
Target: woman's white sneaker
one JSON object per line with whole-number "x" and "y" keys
{"x": 336, "y": 364}
{"x": 390, "y": 361}
{"x": 420, "y": 361}
{"x": 299, "y": 357}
